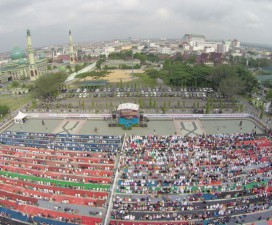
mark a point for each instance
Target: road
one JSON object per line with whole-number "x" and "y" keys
{"x": 84, "y": 70}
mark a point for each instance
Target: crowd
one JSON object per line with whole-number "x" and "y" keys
{"x": 160, "y": 178}
{"x": 193, "y": 178}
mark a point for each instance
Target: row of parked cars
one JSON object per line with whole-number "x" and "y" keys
{"x": 128, "y": 89}
{"x": 200, "y": 93}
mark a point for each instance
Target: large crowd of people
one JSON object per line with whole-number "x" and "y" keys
{"x": 174, "y": 178}
{"x": 211, "y": 179}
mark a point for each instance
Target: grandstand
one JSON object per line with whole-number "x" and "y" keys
{"x": 63, "y": 178}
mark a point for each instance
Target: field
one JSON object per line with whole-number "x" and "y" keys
{"x": 117, "y": 75}
{"x": 14, "y": 102}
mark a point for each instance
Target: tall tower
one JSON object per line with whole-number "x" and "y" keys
{"x": 31, "y": 60}
{"x": 71, "y": 49}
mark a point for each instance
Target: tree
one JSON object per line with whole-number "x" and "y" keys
{"x": 269, "y": 94}
{"x": 34, "y": 103}
{"x": 178, "y": 104}
{"x": 99, "y": 63}
{"x": 154, "y": 104}
{"x": 262, "y": 111}
{"x": 207, "y": 106}
{"x": 140, "y": 102}
{"x": 120, "y": 83}
{"x": 77, "y": 68}
{"x": 4, "y": 109}
{"x": 150, "y": 103}
{"x": 95, "y": 74}
{"x": 15, "y": 84}
{"x": 152, "y": 72}
{"x": 219, "y": 73}
{"x": 48, "y": 85}
{"x": 232, "y": 85}
{"x": 250, "y": 80}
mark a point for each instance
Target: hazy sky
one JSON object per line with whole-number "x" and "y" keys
{"x": 92, "y": 20}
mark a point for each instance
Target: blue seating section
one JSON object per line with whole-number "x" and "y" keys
{"x": 24, "y": 218}
{"x": 62, "y": 141}
{"x": 14, "y": 214}
{"x": 48, "y": 221}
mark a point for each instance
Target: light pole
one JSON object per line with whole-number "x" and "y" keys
{"x": 132, "y": 62}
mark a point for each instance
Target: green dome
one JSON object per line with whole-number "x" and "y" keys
{"x": 17, "y": 53}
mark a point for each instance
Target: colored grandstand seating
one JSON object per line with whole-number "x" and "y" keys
{"x": 37, "y": 168}
{"x": 54, "y": 179}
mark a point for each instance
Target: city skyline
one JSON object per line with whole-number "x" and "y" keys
{"x": 50, "y": 21}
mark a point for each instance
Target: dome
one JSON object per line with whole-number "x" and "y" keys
{"x": 17, "y": 53}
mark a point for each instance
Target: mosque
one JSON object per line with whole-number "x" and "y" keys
{"x": 22, "y": 65}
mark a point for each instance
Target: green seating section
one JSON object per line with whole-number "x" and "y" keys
{"x": 57, "y": 182}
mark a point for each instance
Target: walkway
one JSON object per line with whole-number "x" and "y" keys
{"x": 84, "y": 70}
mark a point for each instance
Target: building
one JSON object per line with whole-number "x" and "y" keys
{"x": 164, "y": 50}
{"x": 190, "y": 38}
{"x": 211, "y": 59}
{"x": 235, "y": 43}
{"x": 195, "y": 41}
{"x": 22, "y": 65}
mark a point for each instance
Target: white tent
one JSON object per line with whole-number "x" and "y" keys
{"x": 130, "y": 106}
{"x": 20, "y": 117}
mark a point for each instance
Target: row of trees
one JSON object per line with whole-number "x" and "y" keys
{"x": 251, "y": 62}
{"x": 94, "y": 74}
{"x": 127, "y": 55}
{"x": 229, "y": 79}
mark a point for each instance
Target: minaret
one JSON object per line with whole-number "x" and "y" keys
{"x": 71, "y": 49}
{"x": 31, "y": 60}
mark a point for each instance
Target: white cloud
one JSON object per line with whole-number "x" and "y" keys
{"x": 90, "y": 20}
{"x": 252, "y": 20}
{"x": 163, "y": 13}
{"x": 128, "y": 4}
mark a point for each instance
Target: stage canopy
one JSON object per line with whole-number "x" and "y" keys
{"x": 130, "y": 106}
{"x": 20, "y": 117}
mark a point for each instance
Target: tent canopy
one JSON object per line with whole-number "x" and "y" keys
{"x": 131, "y": 106}
{"x": 19, "y": 118}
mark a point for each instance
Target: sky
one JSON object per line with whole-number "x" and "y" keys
{"x": 92, "y": 20}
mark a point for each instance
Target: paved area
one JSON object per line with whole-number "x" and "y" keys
{"x": 224, "y": 126}
{"x": 182, "y": 127}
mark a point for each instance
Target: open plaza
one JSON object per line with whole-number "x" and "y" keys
{"x": 159, "y": 126}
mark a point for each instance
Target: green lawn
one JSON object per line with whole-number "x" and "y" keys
{"x": 14, "y": 102}
{"x": 144, "y": 80}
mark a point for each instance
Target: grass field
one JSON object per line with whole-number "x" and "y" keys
{"x": 14, "y": 102}
{"x": 144, "y": 79}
